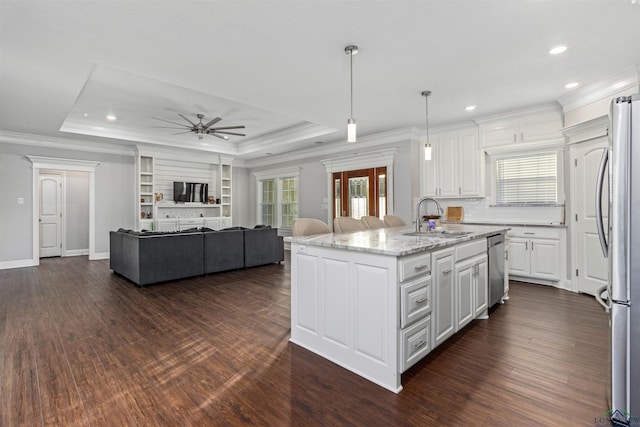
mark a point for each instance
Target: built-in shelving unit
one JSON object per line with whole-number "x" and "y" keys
{"x": 225, "y": 189}
{"x": 156, "y": 174}
{"x": 145, "y": 192}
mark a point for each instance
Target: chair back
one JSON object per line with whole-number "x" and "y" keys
{"x": 373, "y": 222}
{"x": 345, "y": 224}
{"x": 394, "y": 221}
{"x": 309, "y": 227}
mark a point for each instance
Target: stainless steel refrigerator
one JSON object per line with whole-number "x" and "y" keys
{"x": 620, "y": 241}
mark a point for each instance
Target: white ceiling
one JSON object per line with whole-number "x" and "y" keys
{"x": 279, "y": 67}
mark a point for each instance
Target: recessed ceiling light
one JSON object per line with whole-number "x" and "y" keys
{"x": 558, "y": 49}
{"x": 470, "y": 107}
{"x": 85, "y": 114}
{"x": 572, "y": 85}
{"x": 111, "y": 117}
{"x": 225, "y": 137}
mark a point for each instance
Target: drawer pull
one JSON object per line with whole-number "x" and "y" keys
{"x": 420, "y": 344}
{"x": 446, "y": 271}
{"x": 420, "y": 267}
{"x": 421, "y": 300}
{"x": 529, "y": 233}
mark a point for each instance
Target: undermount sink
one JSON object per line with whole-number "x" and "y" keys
{"x": 442, "y": 234}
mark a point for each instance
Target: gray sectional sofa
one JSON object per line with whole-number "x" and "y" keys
{"x": 148, "y": 257}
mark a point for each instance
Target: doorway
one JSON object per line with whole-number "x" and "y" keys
{"x": 361, "y": 192}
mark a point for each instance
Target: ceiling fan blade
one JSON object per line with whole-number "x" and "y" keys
{"x": 180, "y": 133}
{"x": 169, "y": 121}
{"x": 228, "y": 127}
{"x": 212, "y": 122}
{"x": 170, "y": 127}
{"x": 227, "y": 133}
{"x": 192, "y": 124}
{"x": 217, "y": 136}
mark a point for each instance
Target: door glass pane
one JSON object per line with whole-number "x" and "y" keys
{"x": 382, "y": 195}
{"x": 337, "y": 206}
{"x": 359, "y": 197}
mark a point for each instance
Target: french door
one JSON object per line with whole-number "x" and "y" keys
{"x": 360, "y": 192}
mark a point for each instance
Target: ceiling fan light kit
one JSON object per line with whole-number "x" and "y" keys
{"x": 200, "y": 128}
{"x": 351, "y": 123}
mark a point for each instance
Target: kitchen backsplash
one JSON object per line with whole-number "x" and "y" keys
{"x": 479, "y": 210}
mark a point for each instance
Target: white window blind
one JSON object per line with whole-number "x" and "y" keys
{"x": 530, "y": 179}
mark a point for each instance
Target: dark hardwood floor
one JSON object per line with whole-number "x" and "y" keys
{"x": 83, "y": 346}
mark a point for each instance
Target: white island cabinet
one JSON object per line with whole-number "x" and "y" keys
{"x": 368, "y": 300}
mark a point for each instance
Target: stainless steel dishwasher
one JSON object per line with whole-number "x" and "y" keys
{"x": 495, "y": 252}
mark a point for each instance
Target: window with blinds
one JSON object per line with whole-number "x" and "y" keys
{"x": 528, "y": 179}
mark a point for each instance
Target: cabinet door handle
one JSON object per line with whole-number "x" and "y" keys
{"x": 526, "y": 245}
{"x": 515, "y": 138}
{"x": 420, "y": 267}
{"x": 521, "y": 136}
{"x": 420, "y": 344}
{"x": 421, "y": 300}
{"x": 446, "y": 271}
{"x": 532, "y": 245}
{"x": 530, "y": 233}
{"x": 459, "y": 191}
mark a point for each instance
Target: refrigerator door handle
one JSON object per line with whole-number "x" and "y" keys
{"x": 599, "y": 184}
{"x": 605, "y": 305}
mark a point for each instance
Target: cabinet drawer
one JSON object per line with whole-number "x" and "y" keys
{"x": 533, "y": 232}
{"x": 415, "y": 343}
{"x": 415, "y": 300}
{"x": 473, "y": 248}
{"x": 414, "y": 265}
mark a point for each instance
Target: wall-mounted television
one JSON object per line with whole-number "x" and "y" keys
{"x": 190, "y": 192}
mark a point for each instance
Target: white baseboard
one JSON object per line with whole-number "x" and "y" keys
{"x": 99, "y": 255}
{"x": 5, "y": 265}
{"x": 76, "y": 252}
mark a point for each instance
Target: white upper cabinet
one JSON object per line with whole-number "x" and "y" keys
{"x": 540, "y": 124}
{"x": 454, "y": 168}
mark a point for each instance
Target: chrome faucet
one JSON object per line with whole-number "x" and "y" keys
{"x": 424, "y": 199}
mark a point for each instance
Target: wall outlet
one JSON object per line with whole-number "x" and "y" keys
{"x": 20, "y": 201}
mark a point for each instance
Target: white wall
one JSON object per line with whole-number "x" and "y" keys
{"x": 77, "y": 211}
{"x": 242, "y": 215}
{"x": 114, "y": 179}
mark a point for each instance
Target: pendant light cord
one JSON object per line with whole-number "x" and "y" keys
{"x": 426, "y": 94}
{"x": 351, "y": 81}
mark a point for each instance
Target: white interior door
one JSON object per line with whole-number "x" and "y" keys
{"x": 50, "y": 215}
{"x": 590, "y": 262}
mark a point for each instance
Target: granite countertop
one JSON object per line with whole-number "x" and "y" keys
{"x": 393, "y": 241}
{"x": 513, "y": 224}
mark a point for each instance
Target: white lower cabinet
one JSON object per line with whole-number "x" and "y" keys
{"x": 536, "y": 253}
{"x": 472, "y": 281}
{"x": 415, "y": 343}
{"x": 444, "y": 298}
{"x": 414, "y": 277}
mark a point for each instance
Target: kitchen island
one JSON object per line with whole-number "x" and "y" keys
{"x": 377, "y": 301}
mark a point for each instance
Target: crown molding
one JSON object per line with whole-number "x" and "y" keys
{"x": 585, "y": 131}
{"x": 65, "y": 144}
{"x": 606, "y": 87}
{"x": 363, "y": 145}
{"x": 553, "y": 107}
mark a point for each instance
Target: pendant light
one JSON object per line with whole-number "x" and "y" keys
{"x": 351, "y": 123}
{"x": 427, "y": 146}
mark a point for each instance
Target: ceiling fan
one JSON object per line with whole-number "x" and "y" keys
{"x": 200, "y": 128}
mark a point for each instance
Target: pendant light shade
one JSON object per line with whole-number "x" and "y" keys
{"x": 351, "y": 123}
{"x": 427, "y": 145}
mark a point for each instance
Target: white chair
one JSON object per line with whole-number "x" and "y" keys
{"x": 373, "y": 222}
{"x": 345, "y": 224}
{"x": 309, "y": 227}
{"x": 394, "y": 221}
